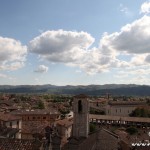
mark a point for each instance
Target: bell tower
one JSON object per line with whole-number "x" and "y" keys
{"x": 81, "y": 116}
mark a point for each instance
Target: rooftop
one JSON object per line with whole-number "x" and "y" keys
{"x": 19, "y": 144}
{"x": 131, "y": 119}
{"x": 8, "y": 117}
{"x": 107, "y": 140}
{"x": 65, "y": 122}
{"x": 127, "y": 103}
{"x": 4, "y": 131}
{"x": 35, "y": 111}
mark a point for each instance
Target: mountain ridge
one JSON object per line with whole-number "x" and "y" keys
{"x": 114, "y": 89}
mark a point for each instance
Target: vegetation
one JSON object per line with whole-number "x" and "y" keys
{"x": 60, "y": 98}
{"x": 132, "y": 130}
{"x": 96, "y": 111}
{"x": 64, "y": 112}
{"x": 140, "y": 112}
{"x": 92, "y": 127}
{"x": 41, "y": 105}
{"x": 95, "y": 90}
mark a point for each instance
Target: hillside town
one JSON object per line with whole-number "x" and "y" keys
{"x": 54, "y": 122}
{"x": 74, "y": 75}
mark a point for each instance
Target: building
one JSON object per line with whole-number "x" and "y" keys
{"x": 122, "y": 108}
{"x": 64, "y": 127}
{"x": 34, "y": 121}
{"x": 82, "y": 138}
{"x": 11, "y": 121}
{"x": 6, "y": 132}
{"x": 81, "y": 116}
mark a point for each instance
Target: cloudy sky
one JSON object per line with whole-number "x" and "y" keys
{"x": 74, "y": 42}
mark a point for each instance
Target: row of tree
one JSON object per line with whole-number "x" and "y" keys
{"x": 140, "y": 112}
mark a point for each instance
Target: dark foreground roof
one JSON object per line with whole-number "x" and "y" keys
{"x": 19, "y": 144}
{"x": 4, "y": 131}
{"x": 100, "y": 140}
{"x": 107, "y": 140}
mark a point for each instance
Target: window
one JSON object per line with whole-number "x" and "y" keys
{"x": 97, "y": 104}
{"x": 79, "y": 106}
{"x": 11, "y": 124}
{"x": 17, "y": 124}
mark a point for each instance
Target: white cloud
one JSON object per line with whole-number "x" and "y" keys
{"x": 61, "y": 46}
{"x": 3, "y": 75}
{"x": 126, "y": 10}
{"x": 138, "y": 59}
{"x": 73, "y": 48}
{"x": 41, "y": 69}
{"x": 6, "y": 77}
{"x": 12, "y": 54}
{"x": 133, "y": 38}
{"x": 68, "y": 47}
{"x": 147, "y": 58}
{"x": 139, "y": 80}
{"x": 145, "y": 7}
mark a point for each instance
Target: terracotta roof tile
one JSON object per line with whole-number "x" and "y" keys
{"x": 17, "y": 144}
{"x": 35, "y": 111}
{"x": 8, "y": 117}
{"x": 65, "y": 122}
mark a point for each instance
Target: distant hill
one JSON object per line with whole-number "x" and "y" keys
{"x": 114, "y": 89}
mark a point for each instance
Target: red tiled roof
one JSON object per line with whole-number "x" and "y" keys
{"x": 8, "y": 117}
{"x": 19, "y": 144}
{"x": 35, "y": 111}
{"x": 65, "y": 122}
{"x": 127, "y": 102}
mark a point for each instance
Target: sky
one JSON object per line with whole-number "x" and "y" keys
{"x": 74, "y": 42}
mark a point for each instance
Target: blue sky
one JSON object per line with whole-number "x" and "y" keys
{"x": 66, "y": 42}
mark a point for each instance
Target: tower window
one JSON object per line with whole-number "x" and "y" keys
{"x": 79, "y": 106}
{"x": 97, "y": 104}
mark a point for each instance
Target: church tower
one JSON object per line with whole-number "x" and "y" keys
{"x": 81, "y": 116}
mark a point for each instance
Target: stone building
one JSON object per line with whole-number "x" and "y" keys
{"x": 34, "y": 121}
{"x": 123, "y": 108}
{"x": 64, "y": 127}
{"x": 9, "y": 121}
{"x": 81, "y": 116}
{"x": 82, "y": 138}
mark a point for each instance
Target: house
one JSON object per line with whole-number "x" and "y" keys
{"x": 122, "y": 108}
{"x": 34, "y": 121}
{"x": 64, "y": 127}
{"x": 7, "y": 132}
{"x": 11, "y": 121}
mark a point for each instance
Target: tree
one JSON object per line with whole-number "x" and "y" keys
{"x": 92, "y": 127}
{"x": 140, "y": 112}
{"x": 41, "y": 105}
{"x": 132, "y": 130}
